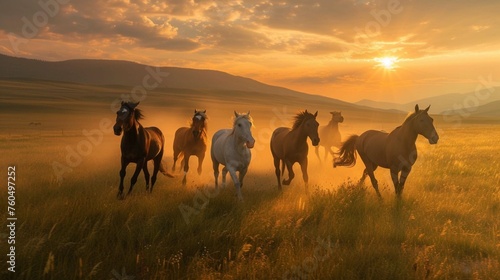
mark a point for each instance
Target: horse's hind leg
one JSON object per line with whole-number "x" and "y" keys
{"x": 370, "y": 168}
{"x": 373, "y": 180}
{"x": 224, "y": 173}
{"x": 176, "y": 156}
{"x": 156, "y": 168}
{"x": 215, "y": 165}
{"x": 146, "y": 174}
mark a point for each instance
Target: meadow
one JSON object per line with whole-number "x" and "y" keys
{"x": 445, "y": 227}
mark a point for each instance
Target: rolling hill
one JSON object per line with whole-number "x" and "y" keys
{"x": 125, "y": 73}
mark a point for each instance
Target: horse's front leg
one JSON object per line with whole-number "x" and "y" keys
{"x": 146, "y": 174}
{"x": 404, "y": 174}
{"x": 201, "y": 157}
{"x": 242, "y": 174}
{"x": 305, "y": 176}
{"x": 291, "y": 175}
{"x": 316, "y": 151}
{"x": 140, "y": 164}
{"x": 236, "y": 181}
{"x": 186, "y": 168}
{"x": 395, "y": 179}
{"x": 224, "y": 174}
{"x": 123, "y": 171}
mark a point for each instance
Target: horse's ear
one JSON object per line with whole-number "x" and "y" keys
{"x": 204, "y": 111}
{"x": 427, "y": 109}
{"x": 123, "y": 102}
{"x": 195, "y": 111}
{"x": 236, "y": 114}
{"x": 248, "y": 114}
{"x": 332, "y": 113}
{"x": 135, "y": 105}
{"x": 416, "y": 108}
{"x": 316, "y": 114}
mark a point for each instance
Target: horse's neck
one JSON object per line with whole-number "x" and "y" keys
{"x": 299, "y": 135}
{"x": 333, "y": 125}
{"x": 237, "y": 142}
{"x": 407, "y": 134}
{"x": 133, "y": 132}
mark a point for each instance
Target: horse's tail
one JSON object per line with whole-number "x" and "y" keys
{"x": 347, "y": 153}
{"x": 164, "y": 171}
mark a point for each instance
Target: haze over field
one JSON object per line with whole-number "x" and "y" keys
{"x": 385, "y": 50}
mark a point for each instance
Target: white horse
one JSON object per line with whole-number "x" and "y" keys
{"x": 231, "y": 148}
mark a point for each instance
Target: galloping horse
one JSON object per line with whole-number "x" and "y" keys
{"x": 330, "y": 135}
{"x": 231, "y": 148}
{"x": 395, "y": 151}
{"x": 190, "y": 141}
{"x": 290, "y": 145}
{"x": 138, "y": 145}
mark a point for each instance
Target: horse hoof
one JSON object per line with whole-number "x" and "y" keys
{"x": 286, "y": 183}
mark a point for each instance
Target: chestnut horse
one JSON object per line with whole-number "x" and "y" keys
{"x": 138, "y": 145}
{"x": 395, "y": 151}
{"x": 190, "y": 141}
{"x": 290, "y": 146}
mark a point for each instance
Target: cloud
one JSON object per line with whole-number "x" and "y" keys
{"x": 354, "y": 29}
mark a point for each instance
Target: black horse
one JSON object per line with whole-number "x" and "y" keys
{"x": 139, "y": 145}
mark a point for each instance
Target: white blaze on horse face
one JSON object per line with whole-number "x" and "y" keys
{"x": 123, "y": 113}
{"x": 199, "y": 117}
{"x": 244, "y": 130}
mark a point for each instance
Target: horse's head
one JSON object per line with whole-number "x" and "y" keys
{"x": 242, "y": 128}
{"x": 308, "y": 124}
{"x": 311, "y": 126}
{"x": 125, "y": 117}
{"x": 337, "y": 117}
{"x": 198, "y": 123}
{"x": 423, "y": 124}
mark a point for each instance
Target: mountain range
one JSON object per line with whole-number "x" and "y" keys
{"x": 130, "y": 74}
{"x": 471, "y": 102}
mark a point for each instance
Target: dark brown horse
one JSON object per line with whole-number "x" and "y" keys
{"x": 290, "y": 146}
{"x": 395, "y": 151}
{"x": 330, "y": 135}
{"x": 138, "y": 145}
{"x": 190, "y": 141}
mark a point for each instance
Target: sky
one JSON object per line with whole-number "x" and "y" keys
{"x": 388, "y": 50}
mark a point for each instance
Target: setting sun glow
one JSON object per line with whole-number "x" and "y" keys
{"x": 388, "y": 62}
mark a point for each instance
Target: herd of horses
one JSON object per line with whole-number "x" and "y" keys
{"x": 230, "y": 147}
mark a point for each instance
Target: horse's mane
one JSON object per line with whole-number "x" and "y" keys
{"x": 300, "y": 118}
{"x": 138, "y": 115}
{"x": 244, "y": 116}
{"x": 412, "y": 115}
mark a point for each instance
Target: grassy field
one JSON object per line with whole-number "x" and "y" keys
{"x": 72, "y": 226}
{"x": 446, "y": 226}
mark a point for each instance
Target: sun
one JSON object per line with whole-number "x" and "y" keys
{"x": 387, "y": 62}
